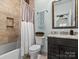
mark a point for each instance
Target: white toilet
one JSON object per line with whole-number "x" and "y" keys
{"x": 35, "y": 49}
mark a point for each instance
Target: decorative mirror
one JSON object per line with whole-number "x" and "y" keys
{"x": 64, "y": 14}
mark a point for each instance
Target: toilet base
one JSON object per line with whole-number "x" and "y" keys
{"x": 34, "y": 56}
{"x": 34, "y": 51}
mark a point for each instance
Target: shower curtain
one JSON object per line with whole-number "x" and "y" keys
{"x": 27, "y": 29}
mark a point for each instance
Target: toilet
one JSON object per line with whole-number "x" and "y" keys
{"x": 35, "y": 49}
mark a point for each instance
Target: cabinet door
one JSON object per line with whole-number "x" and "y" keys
{"x": 70, "y": 52}
{"x": 60, "y": 48}
{"x": 53, "y": 50}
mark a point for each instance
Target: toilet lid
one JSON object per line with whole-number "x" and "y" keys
{"x": 34, "y": 47}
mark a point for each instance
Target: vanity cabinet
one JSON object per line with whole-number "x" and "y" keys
{"x": 62, "y": 48}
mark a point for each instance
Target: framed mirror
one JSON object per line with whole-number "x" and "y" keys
{"x": 64, "y": 14}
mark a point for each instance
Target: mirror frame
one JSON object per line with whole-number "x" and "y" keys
{"x": 76, "y": 17}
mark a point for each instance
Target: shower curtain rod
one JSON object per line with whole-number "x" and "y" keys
{"x": 42, "y": 11}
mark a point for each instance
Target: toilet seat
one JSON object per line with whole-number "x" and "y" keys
{"x": 35, "y": 48}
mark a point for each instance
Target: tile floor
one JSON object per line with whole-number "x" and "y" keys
{"x": 42, "y": 57}
{"x": 39, "y": 57}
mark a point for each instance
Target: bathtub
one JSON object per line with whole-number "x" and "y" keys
{"x": 15, "y": 54}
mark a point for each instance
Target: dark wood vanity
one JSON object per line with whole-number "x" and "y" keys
{"x": 62, "y": 48}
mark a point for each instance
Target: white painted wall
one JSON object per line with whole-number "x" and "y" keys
{"x": 46, "y": 5}
{"x": 41, "y": 5}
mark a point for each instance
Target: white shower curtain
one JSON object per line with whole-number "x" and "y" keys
{"x": 31, "y": 33}
{"x": 27, "y": 29}
{"x": 24, "y": 38}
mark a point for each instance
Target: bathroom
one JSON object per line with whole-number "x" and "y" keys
{"x": 33, "y": 29}
{"x": 46, "y": 28}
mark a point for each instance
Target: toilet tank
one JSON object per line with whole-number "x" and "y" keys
{"x": 39, "y": 40}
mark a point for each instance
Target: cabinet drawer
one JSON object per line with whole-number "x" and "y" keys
{"x": 63, "y": 41}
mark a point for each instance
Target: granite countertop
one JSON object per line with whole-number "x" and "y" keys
{"x": 63, "y": 36}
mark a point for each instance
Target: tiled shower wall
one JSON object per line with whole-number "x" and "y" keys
{"x": 9, "y": 8}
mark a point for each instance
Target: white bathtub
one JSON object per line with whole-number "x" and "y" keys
{"x": 11, "y": 55}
